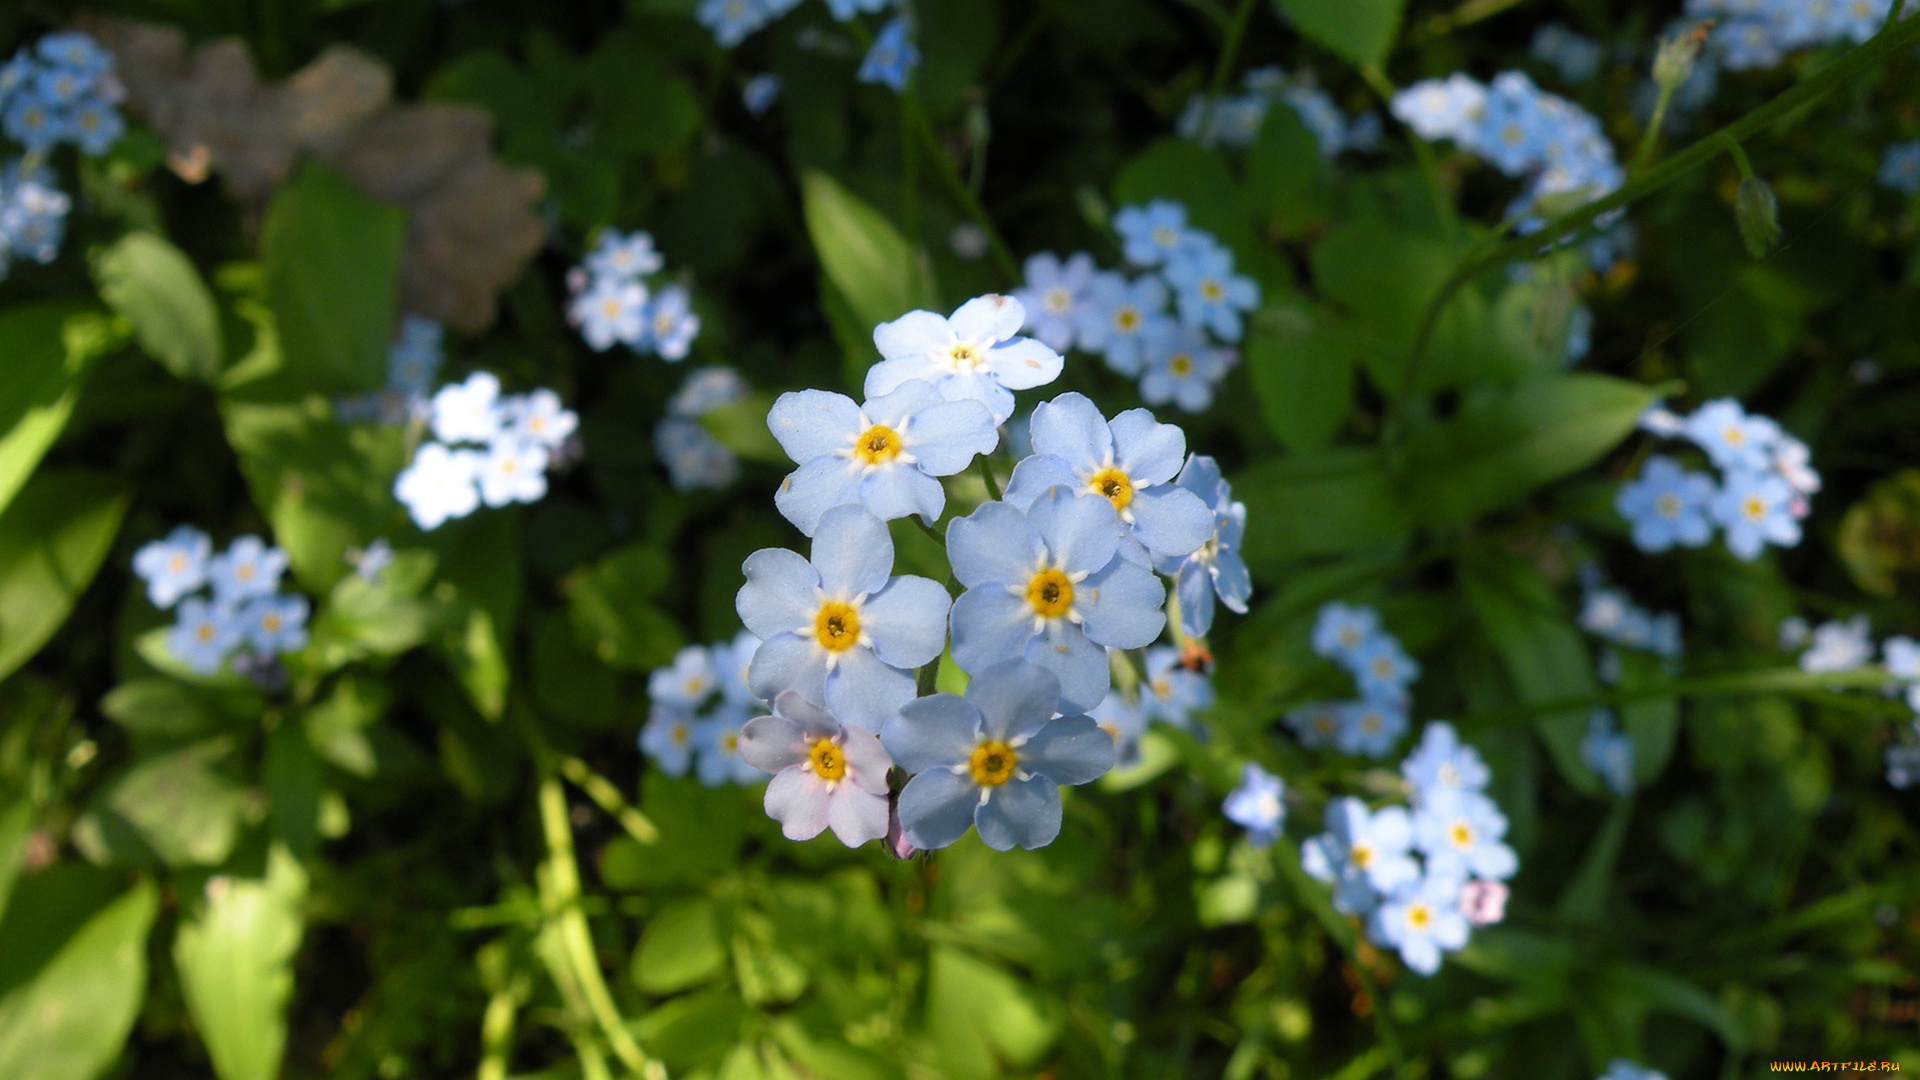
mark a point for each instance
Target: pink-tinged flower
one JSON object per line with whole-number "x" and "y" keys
{"x": 1483, "y": 902}
{"x": 825, "y": 774}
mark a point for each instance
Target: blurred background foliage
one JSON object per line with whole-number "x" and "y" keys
{"x": 409, "y": 861}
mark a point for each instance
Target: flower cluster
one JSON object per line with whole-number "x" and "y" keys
{"x": 33, "y": 214}
{"x": 1350, "y": 635}
{"x": 1575, "y": 56}
{"x": 890, "y": 58}
{"x": 613, "y": 304}
{"x": 1608, "y": 751}
{"x": 1609, "y": 614}
{"x": 1423, "y": 906}
{"x": 63, "y": 90}
{"x": 413, "y": 366}
{"x": 1751, "y": 34}
{"x": 246, "y": 611}
{"x": 1236, "y": 120}
{"x": 1900, "y": 169}
{"x": 695, "y": 460}
{"x": 509, "y": 443}
{"x": 696, "y": 708}
{"x": 1521, "y": 130}
{"x": 1160, "y": 326}
{"x": 1759, "y": 499}
{"x": 1841, "y": 645}
{"x": 1174, "y": 690}
{"x": 1051, "y": 577}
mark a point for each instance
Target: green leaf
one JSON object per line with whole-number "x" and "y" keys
{"x": 154, "y": 286}
{"x": 701, "y": 830}
{"x": 162, "y": 708}
{"x": 332, "y": 257}
{"x": 879, "y": 272}
{"x": 1654, "y": 722}
{"x": 291, "y": 780}
{"x": 680, "y": 948}
{"x": 73, "y": 970}
{"x": 767, "y": 972}
{"x": 1329, "y": 503}
{"x": 608, "y": 606}
{"x": 1383, "y": 268}
{"x": 979, "y": 1015}
{"x": 1509, "y": 440}
{"x": 53, "y": 538}
{"x": 337, "y": 726}
{"x": 234, "y": 952}
{"x": 1585, "y": 898}
{"x": 1302, "y": 371}
{"x": 1286, "y": 181}
{"x": 37, "y": 396}
{"x": 638, "y": 106}
{"x": 16, "y": 825}
{"x": 180, "y": 807}
{"x": 1359, "y": 31}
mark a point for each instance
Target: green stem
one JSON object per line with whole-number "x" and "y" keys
{"x": 957, "y": 187}
{"x": 1739, "y": 155}
{"x": 1384, "y": 89}
{"x": 1643, "y": 156}
{"x": 932, "y": 533}
{"x": 986, "y": 474}
{"x": 1229, "y": 51}
{"x": 496, "y": 1030}
{"x": 1309, "y": 893}
{"x": 929, "y": 679}
{"x": 1778, "y": 681}
{"x": 1884, "y": 44}
{"x": 1465, "y": 15}
{"x": 602, "y": 791}
{"x": 1893, "y": 15}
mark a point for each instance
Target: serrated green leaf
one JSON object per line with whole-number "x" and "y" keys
{"x": 73, "y": 970}
{"x": 53, "y": 538}
{"x": 234, "y": 953}
{"x": 154, "y": 286}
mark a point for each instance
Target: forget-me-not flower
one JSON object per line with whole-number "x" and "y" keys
{"x": 837, "y": 628}
{"x": 1667, "y": 505}
{"x": 1053, "y": 294}
{"x": 512, "y": 471}
{"x": 760, "y": 92}
{"x": 1460, "y": 833}
{"x": 1900, "y": 170}
{"x": 687, "y": 682}
{"x": 249, "y": 567}
{"x": 1152, "y": 234}
{"x": 1171, "y": 693}
{"x": 468, "y": 411}
{"x": 1047, "y": 586}
{"x": 994, "y": 758}
{"x": 1421, "y": 919}
{"x": 884, "y": 455}
{"x": 1317, "y": 723}
{"x": 203, "y": 634}
{"x": 438, "y": 485}
{"x": 175, "y": 566}
{"x": 1608, "y": 752}
{"x": 275, "y": 624}
{"x": 1182, "y": 369}
{"x": 1363, "y": 854}
{"x": 1256, "y": 805}
{"x": 1756, "y": 509}
{"x": 539, "y": 419}
{"x": 1371, "y": 727}
{"x": 1215, "y": 568}
{"x": 610, "y": 310}
{"x": 671, "y": 323}
{"x": 1731, "y": 437}
{"x": 1902, "y": 655}
{"x": 624, "y": 256}
{"x": 1382, "y": 668}
{"x": 1340, "y": 629}
{"x": 1622, "y": 1069}
{"x": 716, "y": 747}
{"x": 892, "y": 57}
{"x": 825, "y": 774}
{"x": 1442, "y": 763}
{"x": 1840, "y": 645}
{"x": 1125, "y": 721}
{"x": 667, "y": 738}
{"x": 1208, "y": 294}
{"x": 974, "y": 355}
{"x": 695, "y": 460}
{"x": 731, "y": 21}
{"x": 1119, "y": 318}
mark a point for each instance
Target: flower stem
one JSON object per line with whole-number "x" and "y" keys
{"x": 602, "y": 791}
{"x": 1003, "y": 259}
{"x": 986, "y": 474}
{"x": 932, "y": 533}
{"x": 1229, "y": 51}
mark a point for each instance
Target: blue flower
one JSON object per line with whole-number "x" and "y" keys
{"x": 1440, "y": 108}
{"x": 1046, "y": 586}
{"x": 175, "y": 566}
{"x": 1443, "y": 763}
{"x": 1667, "y": 505}
{"x": 1208, "y": 293}
{"x": 33, "y": 214}
{"x": 884, "y": 455}
{"x": 707, "y": 389}
{"x": 1129, "y": 462}
{"x": 1341, "y": 629}
{"x": 1183, "y": 369}
{"x": 1216, "y": 568}
{"x": 844, "y": 10}
{"x": 512, "y": 471}
{"x": 1421, "y": 919}
{"x": 694, "y": 459}
{"x": 1171, "y": 693}
{"x": 891, "y": 59}
{"x": 1756, "y": 509}
{"x": 1903, "y": 658}
{"x": 1382, "y": 668}
{"x": 415, "y": 356}
{"x": 1840, "y": 646}
{"x": 438, "y": 485}
{"x": 1513, "y": 132}
{"x": 1053, "y": 295}
{"x": 687, "y": 682}
{"x": 838, "y": 628}
{"x": 1152, "y": 234}
{"x": 538, "y": 419}
{"x": 1317, "y": 723}
{"x": 375, "y": 557}
{"x": 1576, "y": 57}
{"x": 247, "y": 568}
{"x": 1460, "y": 833}
{"x": 974, "y": 356}
{"x": 760, "y": 92}
{"x": 76, "y": 52}
{"x": 1900, "y": 170}
{"x": 1125, "y": 721}
{"x": 671, "y": 323}
{"x": 1363, "y": 854}
{"x": 1256, "y": 805}
{"x": 203, "y": 634}
{"x": 275, "y": 624}
{"x": 1733, "y": 439}
{"x": 994, "y": 759}
{"x": 1371, "y": 727}
{"x": 623, "y": 257}
{"x": 716, "y": 747}
{"x": 731, "y": 20}
{"x": 1622, "y": 1069}
{"x": 95, "y": 126}
{"x": 1608, "y": 753}
{"x": 33, "y": 122}
{"x": 1119, "y": 318}
{"x": 469, "y": 411}
{"x": 610, "y": 310}
{"x": 667, "y": 739}
{"x": 825, "y": 774}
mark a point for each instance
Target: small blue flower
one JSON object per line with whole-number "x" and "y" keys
{"x": 415, "y": 356}
{"x": 1047, "y": 586}
{"x": 33, "y": 214}
{"x": 825, "y": 774}
{"x": 671, "y": 323}
{"x": 1839, "y": 645}
{"x": 1129, "y": 462}
{"x": 1318, "y": 723}
{"x": 1622, "y": 1069}
{"x": 1903, "y": 658}
{"x": 716, "y": 747}
{"x": 1756, "y": 509}
{"x": 884, "y": 455}
{"x": 707, "y": 389}
{"x": 469, "y": 411}
{"x": 1609, "y": 753}
{"x": 760, "y": 93}
{"x": 1341, "y": 630}
{"x": 1440, "y": 108}
{"x": 609, "y": 311}
{"x": 1382, "y": 668}
{"x": 1119, "y": 318}
{"x": 1256, "y": 805}
{"x": 374, "y": 558}
{"x": 95, "y": 126}
{"x": 1442, "y": 763}
{"x": 1125, "y": 721}
{"x": 1667, "y": 505}
{"x": 974, "y": 355}
{"x": 203, "y": 634}
{"x": 512, "y": 471}
{"x": 1216, "y": 569}
{"x": 1371, "y": 727}
{"x": 438, "y": 485}
{"x": 838, "y": 628}
{"x": 994, "y": 759}
{"x": 845, "y": 10}
{"x": 892, "y": 57}
{"x": 623, "y": 257}
{"x": 1053, "y": 295}
{"x": 76, "y": 52}
{"x": 1363, "y": 854}
{"x": 731, "y": 662}
{"x": 34, "y": 123}
{"x": 1901, "y": 169}
{"x": 538, "y": 419}
{"x": 1732, "y": 438}
{"x": 247, "y": 568}
{"x": 1513, "y": 132}
{"x": 1208, "y": 293}
{"x": 1183, "y": 369}
{"x": 667, "y": 739}
{"x": 687, "y": 682}
{"x": 695, "y": 460}
{"x": 1460, "y": 833}
{"x": 731, "y": 21}
{"x": 175, "y": 566}
{"x": 1171, "y": 693}
{"x": 275, "y": 624}
{"x": 1152, "y": 234}
{"x": 1421, "y": 919}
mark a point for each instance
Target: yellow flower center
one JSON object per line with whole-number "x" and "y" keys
{"x": 89, "y": 120}
{"x": 992, "y": 763}
{"x": 1382, "y": 668}
{"x": 610, "y": 309}
{"x": 1058, "y": 300}
{"x": 270, "y": 622}
{"x": 204, "y": 631}
{"x": 964, "y": 357}
{"x": 837, "y": 626}
{"x": 826, "y": 760}
{"x": 1162, "y": 688}
{"x": 1667, "y": 505}
{"x": 680, "y": 733}
{"x": 1460, "y": 834}
{"x": 1127, "y": 319}
{"x": 1211, "y": 290}
{"x": 1733, "y": 436}
{"x": 1050, "y": 594}
{"x": 177, "y": 563}
{"x": 1371, "y": 722}
{"x": 730, "y": 742}
{"x": 1361, "y": 854}
{"x": 1113, "y": 486}
{"x": 877, "y": 445}
{"x": 1323, "y": 724}
{"x": 1418, "y": 916}
{"x": 695, "y": 687}
{"x": 1754, "y": 507}
{"x": 243, "y": 572}
{"x": 1349, "y": 637}
{"x": 1165, "y": 237}
{"x": 1181, "y": 364}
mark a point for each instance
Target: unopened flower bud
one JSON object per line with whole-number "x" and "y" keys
{"x": 1674, "y": 63}
{"x": 1759, "y": 215}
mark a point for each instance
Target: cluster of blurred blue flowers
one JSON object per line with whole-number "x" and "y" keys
{"x": 696, "y": 708}
{"x": 1609, "y": 614}
{"x": 694, "y": 459}
{"x": 614, "y": 305}
{"x": 1839, "y": 645}
{"x": 60, "y": 91}
{"x": 1751, "y": 34}
{"x": 1759, "y": 498}
{"x": 413, "y": 367}
{"x": 890, "y": 59}
{"x": 488, "y": 447}
{"x": 246, "y": 610}
{"x": 1574, "y": 56}
{"x": 1236, "y": 120}
{"x": 1900, "y": 169}
{"x": 1169, "y": 327}
{"x": 1420, "y": 876}
{"x": 1351, "y": 636}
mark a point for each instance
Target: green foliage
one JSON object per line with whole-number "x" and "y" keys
{"x": 1360, "y": 31}
{"x": 73, "y": 970}
{"x": 232, "y": 951}
{"x": 155, "y": 287}
{"x": 53, "y": 537}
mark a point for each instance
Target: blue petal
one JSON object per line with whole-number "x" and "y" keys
{"x": 1081, "y": 531}
{"x": 994, "y": 545}
{"x": 896, "y": 491}
{"x": 856, "y": 816}
{"x": 815, "y": 488}
{"x": 1014, "y": 699}
{"x": 992, "y": 317}
{"x": 1071, "y": 428}
{"x": 1231, "y": 581}
{"x": 917, "y": 335}
{"x": 945, "y": 438}
{"x": 1147, "y": 450}
{"x": 852, "y": 552}
{"x": 1020, "y": 813}
{"x": 1171, "y": 520}
{"x": 778, "y": 596}
{"x": 936, "y": 807}
{"x": 1037, "y": 475}
{"x": 935, "y": 732}
{"x": 1121, "y": 606}
{"x": 1080, "y": 665}
{"x": 771, "y": 743}
{"x": 889, "y": 375}
{"x": 907, "y": 621}
{"x": 1024, "y": 363}
{"x": 893, "y": 408}
{"x": 797, "y": 799}
{"x": 990, "y": 626}
{"x": 809, "y": 423}
{"x": 1194, "y": 587}
{"x": 788, "y": 662}
{"x": 1070, "y": 750}
{"x": 978, "y": 385}
{"x": 862, "y": 690}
